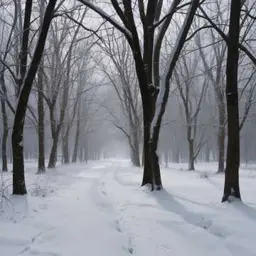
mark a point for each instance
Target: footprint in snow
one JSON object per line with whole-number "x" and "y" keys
{"x": 104, "y": 192}
{"x": 129, "y": 249}
{"x": 117, "y": 225}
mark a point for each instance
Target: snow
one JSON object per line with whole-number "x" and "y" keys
{"x": 100, "y": 209}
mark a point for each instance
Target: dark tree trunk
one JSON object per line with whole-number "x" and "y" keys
{"x": 19, "y": 186}
{"x": 55, "y": 138}
{"x": 4, "y": 138}
{"x": 5, "y": 126}
{"x": 221, "y": 138}
{"x": 24, "y": 44}
{"x": 148, "y": 172}
{"x": 231, "y": 187}
{"x": 136, "y": 145}
{"x": 40, "y": 109}
{"x": 191, "y": 164}
{"x": 40, "y": 106}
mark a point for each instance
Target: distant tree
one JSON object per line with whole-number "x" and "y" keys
{"x": 214, "y": 71}
{"x": 6, "y": 46}
{"x": 124, "y": 81}
{"x": 192, "y": 97}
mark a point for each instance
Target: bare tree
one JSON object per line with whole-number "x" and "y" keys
{"x": 6, "y": 47}
{"x": 231, "y": 187}
{"x": 124, "y": 81}
{"x": 186, "y": 78}
{"x": 155, "y": 24}
{"x": 217, "y": 78}
{"x": 19, "y": 186}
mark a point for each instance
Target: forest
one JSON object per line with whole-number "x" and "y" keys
{"x": 56, "y": 71}
{"x": 159, "y": 83}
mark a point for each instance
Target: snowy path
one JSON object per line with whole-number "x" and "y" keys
{"x": 100, "y": 209}
{"x": 68, "y": 224}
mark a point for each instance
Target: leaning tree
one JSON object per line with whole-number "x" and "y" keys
{"x": 25, "y": 85}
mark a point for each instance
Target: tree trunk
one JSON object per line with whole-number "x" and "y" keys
{"x": 231, "y": 187}
{"x": 221, "y": 138}
{"x": 134, "y": 149}
{"x": 135, "y": 157}
{"x": 53, "y": 154}
{"x": 40, "y": 108}
{"x": 19, "y": 186}
{"x": 191, "y": 165}
{"x": 148, "y": 172}
{"x": 55, "y": 130}
{"x": 5, "y": 126}
{"x": 4, "y": 138}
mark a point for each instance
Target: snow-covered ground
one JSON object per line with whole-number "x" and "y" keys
{"x": 99, "y": 209}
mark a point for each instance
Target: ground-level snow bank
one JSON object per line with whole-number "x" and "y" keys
{"x": 99, "y": 209}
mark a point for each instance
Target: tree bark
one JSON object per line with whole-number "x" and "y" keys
{"x": 53, "y": 154}
{"x": 231, "y": 187}
{"x": 4, "y": 138}
{"x": 55, "y": 138}
{"x": 191, "y": 162}
{"x": 148, "y": 172}
{"x": 40, "y": 109}
{"x": 5, "y": 125}
{"x": 40, "y": 106}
